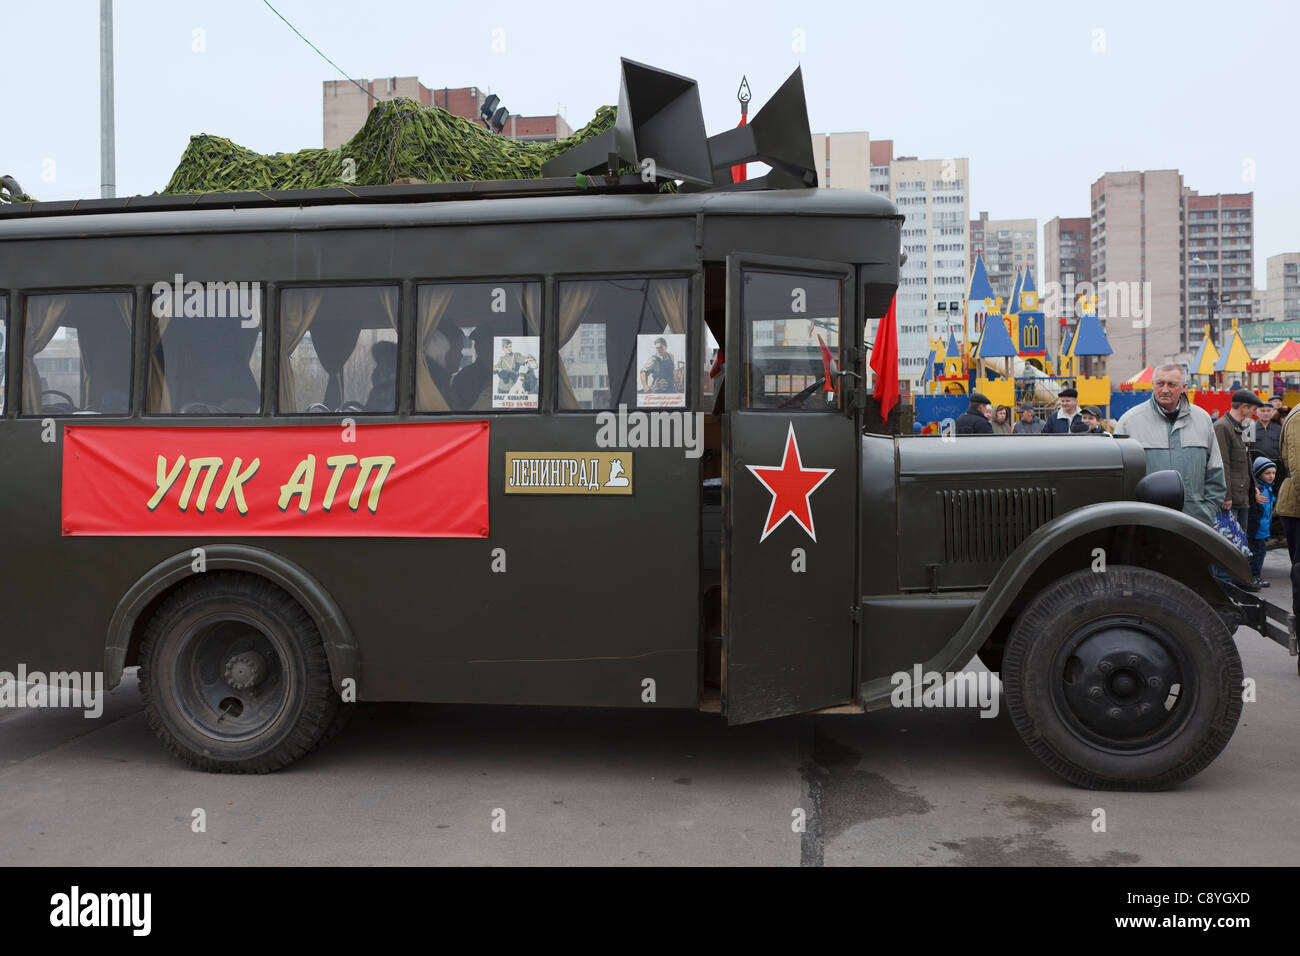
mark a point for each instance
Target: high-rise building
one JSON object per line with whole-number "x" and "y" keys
{"x": 346, "y": 108}
{"x": 1067, "y": 263}
{"x": 1259, "y": 299}
{"x": 1136, "y": 239}
{"x": 1283, "y": 276}
{"x": 933, "y": 196}
{"x": 1220, "y": 247}
{"x": 882, "y": 154}
{"x": 843, "y": 160}
{"x": 1008, "y": 246}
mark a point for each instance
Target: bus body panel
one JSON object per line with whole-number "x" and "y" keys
{"x": 599, "y": 599}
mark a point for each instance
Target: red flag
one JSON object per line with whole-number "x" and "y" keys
{"x": 829, "y": 364}
{"x": 740, "y": 173}
{"x": 884, "y": 361}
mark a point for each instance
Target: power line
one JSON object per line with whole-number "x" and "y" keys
{"x": 318, "y": 52}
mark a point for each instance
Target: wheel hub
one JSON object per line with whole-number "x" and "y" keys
{"x": 1117, "y": 682}
{"x": 245, "y": 670}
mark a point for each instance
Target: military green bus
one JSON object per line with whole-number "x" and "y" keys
{"x": 555, "y": 442}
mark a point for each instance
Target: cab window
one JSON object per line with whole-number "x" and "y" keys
{"x": 77, "y": 353}
{"x": 789, "y": 318}
{"x": 623, "y": 342}
{"x": 205, "y": 354}
{"x": 478, "y": 346}
{"x": 338, "y": 349}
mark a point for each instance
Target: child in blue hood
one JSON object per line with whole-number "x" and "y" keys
{"x": 1265, "y": 473}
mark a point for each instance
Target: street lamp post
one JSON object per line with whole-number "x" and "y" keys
{"x": 1212, "y": 302}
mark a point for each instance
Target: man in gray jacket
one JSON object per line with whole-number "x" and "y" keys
{"x": 1028, "y": 424}
{"x": 1177, "y": 435}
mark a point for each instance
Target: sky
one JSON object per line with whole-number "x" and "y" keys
{"x": 1041, "y": 98}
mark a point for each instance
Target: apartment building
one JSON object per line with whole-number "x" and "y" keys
{"x": 933, "y": 195}
{"x": 1136, "y": 251}
{"x": 1220, "y": 255}
{"x": 843, "y": 160}
{"x": 1067, "y": 264}
{"x": 346, "y": 106}
{"x": 1283, "y": 277}
{"x": 1259, "y": 301}
{"x": 1008, "y": 246}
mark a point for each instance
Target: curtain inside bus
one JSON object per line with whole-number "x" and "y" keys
{"x": 433, "y": 302}
{"x": 43, "y": 314}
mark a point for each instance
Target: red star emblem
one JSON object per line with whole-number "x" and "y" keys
{"x": 791, "y": 485}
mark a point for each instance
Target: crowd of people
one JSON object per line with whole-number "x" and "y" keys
{"x": 985, "y": 418}
{"x": 1231, "y": 465}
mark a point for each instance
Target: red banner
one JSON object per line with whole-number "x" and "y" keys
{"x": 427, "y": 480}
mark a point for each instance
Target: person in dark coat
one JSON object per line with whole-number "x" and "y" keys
{"x": 975, "y": 421}
{"x": 1268, "y": 434}
{"x": 1067, "y": 415}
{"x": 1091, "y": 420}
{"x": 1236, "y": 461}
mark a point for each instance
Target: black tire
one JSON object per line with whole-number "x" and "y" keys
{"x": 234, "y": 676}
{"x": 1089, "y": 674}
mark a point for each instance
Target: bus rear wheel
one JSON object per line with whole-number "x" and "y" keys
{"x": 1122, "y": 680}
{"x": 234, "y": 676}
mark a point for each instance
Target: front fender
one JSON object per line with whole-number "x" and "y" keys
{"x": 1037, "y": 549}
{"x": 340, "y": 646}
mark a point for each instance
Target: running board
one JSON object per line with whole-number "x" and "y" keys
{"x": 711, "y": 703}
{"x": 1275, "y": 623}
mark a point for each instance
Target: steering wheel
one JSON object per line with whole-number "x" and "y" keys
{"x": 802, "y": 396}
{"x": 67, "y": 399}
{"x": 316, "y": 407}
{"x": 199, "y": 408}
{"x": 352, "y": 406}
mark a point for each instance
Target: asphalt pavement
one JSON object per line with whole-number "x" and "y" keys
{"x": 443, "y": 784}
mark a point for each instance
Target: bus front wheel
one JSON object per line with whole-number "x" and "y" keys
{"x": 1122, "y": 680}
{"x": 234, "y": 676}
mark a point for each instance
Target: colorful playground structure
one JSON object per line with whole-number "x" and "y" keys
{"x": 1003, "y": 354}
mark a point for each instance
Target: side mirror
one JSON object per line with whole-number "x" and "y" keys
{"x": 1163, "y": 488}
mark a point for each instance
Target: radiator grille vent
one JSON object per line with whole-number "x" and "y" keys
{"x": 987, "y": 524}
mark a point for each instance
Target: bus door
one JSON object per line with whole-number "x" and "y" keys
{"x": 790, "y": 488}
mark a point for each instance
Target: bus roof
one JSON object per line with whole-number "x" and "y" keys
{"x": 402, "y": 206}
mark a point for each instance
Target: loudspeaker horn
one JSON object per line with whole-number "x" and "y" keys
{"x": 778, "y": 135}
{"x": 659, "y": 118}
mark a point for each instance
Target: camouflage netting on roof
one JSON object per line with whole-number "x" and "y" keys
{"x": 11, "y": 192}
{"x": 401, "y": 139}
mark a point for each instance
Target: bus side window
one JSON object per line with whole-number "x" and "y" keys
{"x": 204, "y": 364}
{"x": 338, "y": 349}
{"x": 788, "y": 318}
{"x": 77, "y": 353}
{"x": 478, "y": 346}
{"x": 623, "y": 342}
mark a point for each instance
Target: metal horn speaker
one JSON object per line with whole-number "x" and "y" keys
{"x": 778, "y": 135}
{"x": 659, "y": 118}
